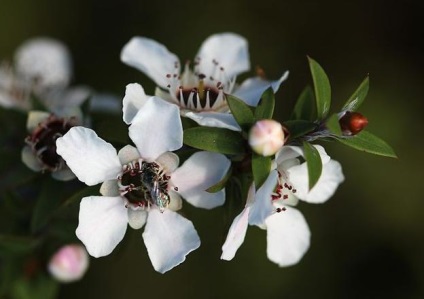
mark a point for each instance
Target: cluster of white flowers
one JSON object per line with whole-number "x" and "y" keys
{"x": 142, "y": 184}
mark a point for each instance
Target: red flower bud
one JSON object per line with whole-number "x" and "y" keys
{"x": 352, "y": 123}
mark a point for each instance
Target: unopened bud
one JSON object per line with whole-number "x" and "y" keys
{"x": 266, "y": 137}
{"x": 69, "y": 263}
{"x": 352, "y": 123}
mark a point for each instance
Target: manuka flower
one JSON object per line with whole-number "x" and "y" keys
{"x": 199, "y": 93}
{"x": 271, "y": 208}
{"x": 142, "y": 185}
{"x": 42, "y": 69}
{"x": 39, "y": 153}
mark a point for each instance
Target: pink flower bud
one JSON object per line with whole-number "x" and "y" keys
{"x": 69, "y": 263}
{"x": 266, "y": 137}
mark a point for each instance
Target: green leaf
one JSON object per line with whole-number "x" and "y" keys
{"x": 358, "y": 96}
{"x": 47, "y": 203}
{"x": 40, "y": 287}
{"x": 10, "y": 244}
{"x": 241, "y": 111}
{"x": 298, "y": 128}
{"x": 76, "y": 197}
{"x": 261, "y": 166}
{"x": 221, "y": 184}
{"x": 216, "y": 140}
{"x": 305, "y": 105}
{"x": 265, "y": 108}
{"x": 313, "y": 162}
{"x": 333, "y": 125}
{"x": 369, "y": 143}
{"x": 322, "y": 89}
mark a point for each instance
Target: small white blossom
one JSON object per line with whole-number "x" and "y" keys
{"x": 142, "y": 185}
{"x": 272, "y": 206}
{"x": 199, "y": 93}
{"x": 69, "y": 263}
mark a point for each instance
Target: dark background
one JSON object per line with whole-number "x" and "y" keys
{"x": 367, "y": 241}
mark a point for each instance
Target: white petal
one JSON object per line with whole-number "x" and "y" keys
{"x": 288, "y": 237}
{"x": 236, "y": 235}
{"x": 262, "y": 206}
{"x": 229, "y": 50}
{"x": 128, "y": 154}
{"x": 109, "y": 188}
{"x": 214, "y": 119}
{"x": 136, "y": 218}
{"x": 327, "y": 184}
{"x": 157, "y": 129}
{"x": 201, "y": 171}
{"x": 169, "y": 237}
{"x": 134, "y": 99}
{"x": 102, "y": 224}
{"x": 151, "y": 58}
{"x": 251, "y": 90}
{"x": 35, "y": 118}
{"x": 30, "y": 160}
{"x": 169, "y": 161}
{"x": 92, "y": 159}
{"x": 64, "y": 174}
{"x": 176, "y": 203}
{"x": 46, "y": 60}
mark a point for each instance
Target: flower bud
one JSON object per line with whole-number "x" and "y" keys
{"x": 266, "y": 137}
{"x": 69, "y": 263}
{"x": 352, "y": 123}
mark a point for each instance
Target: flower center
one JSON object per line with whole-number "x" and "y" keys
{"x": 144, "y": 184}
{"x": 283, "y": 191}
{"x": 195, "y": 91}
{"x": 43, "y": 141}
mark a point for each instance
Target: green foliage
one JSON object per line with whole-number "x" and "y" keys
{"x": 261, "y": 166}
{"x": 39, "y": 287}
{"x": 265, "y": 108}
{"x": 356, "y": 99}
{"x": 313, "y": 162}
{"x": 305, "y": 105}
{"x": 322, "y": 89}
{"x": 217, "y": 140}
{"x": 369, "y": 143}
{"x": 299, "y": 128}
{"x": 333, "y": 125}
{"x": 241, "y": 111}
{"x": 17, "y": 245}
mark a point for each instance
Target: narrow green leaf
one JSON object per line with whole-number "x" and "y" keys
{"x": 265, "y": 108}
{"x": 41, "y": 287}
{"x": 261, "y": 166}
{"x": 221, "y": 184}
{"x": 356, "y": 99}
{"x": 369, "y": 143}
{"x": 298, "y": 128}
{"x": 322, "y": 88}
{"x": 46, "y": 205}
{"x": 314, "y": 163}
{"x": 333, "y": 125}
{"x": 216, "y": 140}
{"x": 305, "y": 105}
{"x": 76, "y": 197}
{"x": 241, "y": 111}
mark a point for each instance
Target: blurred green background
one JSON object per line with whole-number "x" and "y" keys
{"x": 368, "y": 240}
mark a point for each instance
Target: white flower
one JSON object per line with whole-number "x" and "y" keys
{"x": 199, "y": 93}
{"x": 69, "y": 263}
{"x": 44, "y": 60}
{"x": 39, "y": 153}
{"x": 271, "y": 208}
{"x": 142, "y": 185}
{"x": 42, "y": 67}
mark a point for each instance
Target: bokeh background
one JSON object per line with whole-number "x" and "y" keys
{"x": 368, "y": 240}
